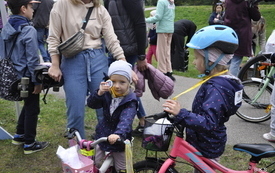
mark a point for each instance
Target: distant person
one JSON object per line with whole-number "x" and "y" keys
{"x": 216, "y": 16}
{"x": 270, "y": 136}
{"x": 217, "y": 99}
{"x": 259, "y": 35}
{"x": 152, "y": 39}
{"x": 119, "y": 105}
{"x": 18, "y": 29}
{"x": 41, "y": 24}
{"x": 179, "y": 53}
{"x": 238, "y": 16}
{"x": 164, "y": 20}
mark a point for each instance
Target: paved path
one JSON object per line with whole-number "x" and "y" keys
{"x": 238, "y": 130}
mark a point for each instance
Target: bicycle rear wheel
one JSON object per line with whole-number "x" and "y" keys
{"x": 147, "y": 166}
{"x": 254, "y": 69}
{"x": 254, "y": 111}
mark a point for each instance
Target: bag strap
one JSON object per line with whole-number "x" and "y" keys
{"x": 87, "y": 18}
{"x": 12, "y": 47}
{"x": 13, "y": 44}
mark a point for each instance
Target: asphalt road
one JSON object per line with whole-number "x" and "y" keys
{"x": 239, "y": 131}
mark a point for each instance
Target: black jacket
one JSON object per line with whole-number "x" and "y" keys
{"x": 185, "y": 28}
{"x": 42, "y": 13}
{"x": 129, "y": 27}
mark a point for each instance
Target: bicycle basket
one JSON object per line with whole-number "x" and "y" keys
{"x": 87, "y": 168}
{"x": 157, "y": 134}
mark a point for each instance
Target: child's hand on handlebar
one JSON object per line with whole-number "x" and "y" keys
{"x": 113, "y": 138}
{"x": 172, "y": 107}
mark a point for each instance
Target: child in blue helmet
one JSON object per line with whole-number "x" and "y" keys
{"x": 218, "y": 98}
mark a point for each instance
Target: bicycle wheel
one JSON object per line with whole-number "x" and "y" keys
{"x": 254, "y": 69}
{"x": 254, "y": 111}
{"x": 147, "y": 166}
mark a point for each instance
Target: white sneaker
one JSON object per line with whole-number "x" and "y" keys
{"x": 269, "y": 137}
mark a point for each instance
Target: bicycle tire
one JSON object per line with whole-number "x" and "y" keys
{"x": 254, "y": 112}
{"x": 250, "y": 69}
{"x": 149, "y": 166}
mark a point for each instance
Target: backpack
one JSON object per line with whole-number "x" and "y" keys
{"x": 9, "y": 79}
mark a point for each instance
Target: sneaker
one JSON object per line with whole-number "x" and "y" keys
{"x": 34, "y": 147}
{"x": 18, "y": 139}
{"x": 269, "y": 137}
{"x": 138, "y": 131}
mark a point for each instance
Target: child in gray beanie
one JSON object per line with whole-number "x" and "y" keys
{"x": 119, "y": 105}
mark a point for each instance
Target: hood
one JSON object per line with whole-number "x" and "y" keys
{"x": 229, "y": 85}
{"x": 14, "y": 26}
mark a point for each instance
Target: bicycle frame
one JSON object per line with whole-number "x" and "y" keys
{"x": 184, "y": 150}
{"x": 181, "y": 148}
{"x": 265, "y": 82}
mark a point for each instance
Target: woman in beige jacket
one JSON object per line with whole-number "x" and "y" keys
{"x": 83, "y": 72}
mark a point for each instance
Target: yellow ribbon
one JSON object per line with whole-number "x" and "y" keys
{"x": 198, "y": 84}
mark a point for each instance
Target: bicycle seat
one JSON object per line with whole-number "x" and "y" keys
{"x": 256, "y": 150}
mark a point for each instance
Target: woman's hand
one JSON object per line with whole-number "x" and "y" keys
{"x": 113, "y": 138}
{"x": 54, "y": 71}
{"x": 134, "y": 77}
{"x": 142, "y": 65}
{"x": 172, "y": 107}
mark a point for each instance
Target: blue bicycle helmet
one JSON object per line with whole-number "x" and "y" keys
{"x": 218, "y": 36}
{"x": 221, "y": 37}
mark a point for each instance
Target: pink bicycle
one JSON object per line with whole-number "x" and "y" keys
{"x": 184, "y": 150}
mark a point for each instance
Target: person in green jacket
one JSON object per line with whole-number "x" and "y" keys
{"x": 164, "y": 20}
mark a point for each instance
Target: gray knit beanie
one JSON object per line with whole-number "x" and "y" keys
{"x": 122, "y": 68}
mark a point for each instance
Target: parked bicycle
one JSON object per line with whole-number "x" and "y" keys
{"x": 87, "y": 150}
{"x": 187, "y": 152}
{"x": 258, "y": 78}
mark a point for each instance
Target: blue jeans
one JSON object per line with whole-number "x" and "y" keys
{"x": 235, "y": 63}
{"x": 42, "y": 35}
{"x": 82, "y": 74}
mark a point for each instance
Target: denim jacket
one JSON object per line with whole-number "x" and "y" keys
{"x": 25, "y": 53}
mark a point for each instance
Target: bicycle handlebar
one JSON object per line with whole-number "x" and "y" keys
{"x": 161, "y": 115}
{"x": 71, "y": 133}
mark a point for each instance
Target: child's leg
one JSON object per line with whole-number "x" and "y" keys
{"x": 99, "y": 155}
{"x": 154, "y": 50}
{"x": 149, "y": 55}
{"x": 119, "y": 161}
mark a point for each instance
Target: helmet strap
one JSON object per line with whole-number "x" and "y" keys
{"x": 207, "y": 68}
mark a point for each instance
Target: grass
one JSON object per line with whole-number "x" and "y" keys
{"x": 52, "y": 120}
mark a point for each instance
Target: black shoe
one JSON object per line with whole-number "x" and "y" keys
{"x": 169, "y": 74}
{"x": 34, "y": 147}
{"x": 18, "y": 139}
{"x": 138, "y": 131}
